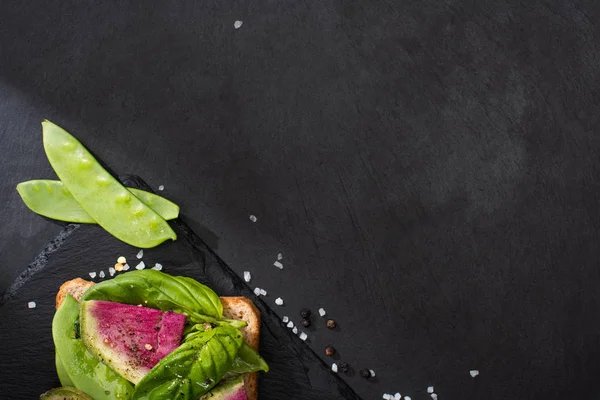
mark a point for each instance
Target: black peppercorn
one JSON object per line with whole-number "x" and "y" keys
{"x": 365, "y": 373}
{"x": 305, "y": 313}
{"x": 306, "y": 323}
{"x": 329, "y": 350}
{"x": 344, "y": 366}
{"x": 331, "y": 324}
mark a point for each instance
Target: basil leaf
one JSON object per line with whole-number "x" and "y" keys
{"x": 193, "y": 368}
{"x": 248, "y": 360}
{"x": 159, "y": 290}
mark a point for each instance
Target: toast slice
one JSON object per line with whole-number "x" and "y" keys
{"x": 233, "y": 308}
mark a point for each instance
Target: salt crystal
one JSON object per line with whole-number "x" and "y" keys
{"x": 247, "y": 276}
{"x": 278, "y": 264}
{"x": 397, "y": 396}
{"x": 161, "y": 187}
{"x": 92, "y": 275}
{"x": 237, "y": 24}
{"x": 334, "y": 367}
{"x": 290, "y": 324}
{"x": 280, "y": 256}
{"x": 101, "y": 274}
{"x": 295, "y": 330}
{"x": 111, "y": 271}
{"x": 140, "y": 266}
{"x": 31, "y": 304}
{"x": 279, "y": 301}
{"x": 257, "y": 291}
{"x": 140, "y": 254}
{"x": 253, "y": 218}
{"x": 406, "y": 397}
{"x": 387, "y": 396}
{"x": 285, "y": 319}
{"x": 322, "y": 312}
{"x": 157, "y": 267}
{"x": 474, "y": 373}
{"x": 263, "y": 292}
{"x": 372, "y": 373}
{"x": 434, "y": 396}
{"x": 126, "y": 267}
{"x": 121, "y": 260}
{"x": 430, "y": 389}
{"x": 303, "y": 336}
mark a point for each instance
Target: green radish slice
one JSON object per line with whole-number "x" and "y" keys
{"x": 104, "y": 198}
{"x": 52, "y": 199}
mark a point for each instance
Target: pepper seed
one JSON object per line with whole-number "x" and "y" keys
{"x": 329, "y": 350}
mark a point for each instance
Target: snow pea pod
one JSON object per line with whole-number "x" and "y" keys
{"x": 53, "y": 200}
{"x": 104, "y": 198}
{"x": 80, "y": 368}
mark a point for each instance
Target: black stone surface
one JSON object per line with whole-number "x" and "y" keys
{"x": 429, "y": 170}
{"x": 295, "y": 370}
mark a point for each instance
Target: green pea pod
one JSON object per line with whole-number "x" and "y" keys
{"x": 248, "y": 360}
{"x": 84, "y": 371}
{"x": 193, "y": 368}
{"x": 63, "y": 376}
{"x": 53, "y": 200}
{"x": 104, "y": 198}
{"x": 159, "y": 290}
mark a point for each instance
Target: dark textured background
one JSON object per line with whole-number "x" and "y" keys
{"x": 428, "y": 169}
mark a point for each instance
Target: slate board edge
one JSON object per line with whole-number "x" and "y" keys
{"x": 197, "y": 243}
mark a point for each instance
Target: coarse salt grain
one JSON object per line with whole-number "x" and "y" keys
{"x": 263, "y": 292}
{"x": 126, "y": 267}
{"x": 295, "y": 330}
{"x": 140, "y": 254}
{"x": 280, "y": 256}
{"x": 285, "y": 319}
{"x": 387, "y": 396}
{"x": 303, "y": 336}
{"x": 238, "y": 24}
{"x": 430, "y": 389}
{"x": 253, "y": 218}
{"x": 322, "y": 312}
{"x": 290, "y": 324}
{"x": 474, "y": 373}
{"x": 111, "y": 271}
{"x": 434, "y": 396}
{"x": 372, "y": 373}
{"x": 101, "y": 274}
{"x": 31, "y": 304}
{"x": 92, "y": 275}
{"x": 334, "y": 367}
{"x": 397, "y": 396}
{"x": 161, "y": 187}
{"x": 257, "y": 291}
{"x": 121, "y": 260}
{"x": 247, "y": 276}
{"x": 279, "y": 301}
{"x": 278, "y": 264}
{"x": 157, "y": 267}
{"x": 140, "y": 266}
{"x": 406, "y": 397}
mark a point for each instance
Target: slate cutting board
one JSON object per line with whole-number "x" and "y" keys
{"x": 27, "y": 356}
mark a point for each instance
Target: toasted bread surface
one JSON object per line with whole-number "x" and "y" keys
{"x": 239, "y": 307}
{"x": 75, "y": 287}
{"x": 244, "y": 309}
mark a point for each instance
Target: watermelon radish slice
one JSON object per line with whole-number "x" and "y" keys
{"x": 228, "y": 390}
{"x": 129, "y": 339}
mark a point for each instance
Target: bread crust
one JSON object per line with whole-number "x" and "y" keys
{"x": 236, "y": 307}
{"x": 244, "y": 309}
